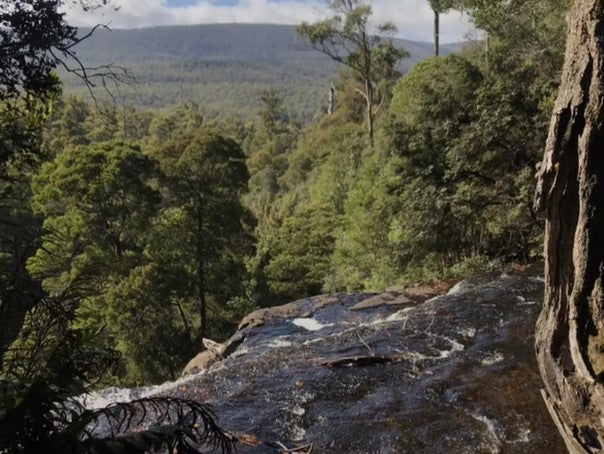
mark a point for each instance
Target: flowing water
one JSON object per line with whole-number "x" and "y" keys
{"x": 454, "y": 374}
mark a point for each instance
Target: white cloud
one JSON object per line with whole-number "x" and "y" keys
{"x": 414, "y": 18}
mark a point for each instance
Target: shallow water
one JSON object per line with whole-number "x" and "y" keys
{"x": 455, "y": 374}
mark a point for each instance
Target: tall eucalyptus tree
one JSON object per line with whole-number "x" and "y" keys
{"x": 570, "y": 331}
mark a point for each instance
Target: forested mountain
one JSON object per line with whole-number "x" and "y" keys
{"x": 223, "y": 67}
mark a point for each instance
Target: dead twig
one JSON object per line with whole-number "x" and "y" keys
{"x": 305, "y": 449}
{"x": 365, "y": 344}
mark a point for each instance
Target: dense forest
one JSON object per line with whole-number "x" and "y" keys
{"x": 224, "y": 68}
{"x": 154, "y": 229}
{"x": 161, "y": 215}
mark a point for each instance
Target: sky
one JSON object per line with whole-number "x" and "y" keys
{"x": 414, "y": 18}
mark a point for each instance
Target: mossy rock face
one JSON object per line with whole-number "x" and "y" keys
{"x": 453, "y": 374}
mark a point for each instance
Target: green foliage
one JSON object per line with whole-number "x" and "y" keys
{"x": 21, "y": 152}
{"x": 268, "y": 152}
{"x": 302, "y": 251}
{"x": 30, "y": 32}
{"x": 347, "y": 38}
{"x": 451, "y": 190}
{"x": 97, "y": 202}
{"x": 74, "y": 122}
{"x": 447, "y": 187}
{"x": 222, "y": 67}
{"x": 363, "y": 257}
{"x": 72, "y": 127}
{"x": 455, "y": 185}
{"x": 204, "y": 180}
{"x": 297, "y": 233}
{"x": 145, "y": 219}
{"x": 273, "y": 115}
{"x": 40, "y": 412}
{"x": 436, "y": 89}
{"x": 21, "y": 138}
{"x": 442, "y": 6}
{"x": 156, "y": 298}
{"x": 153, "y": 239}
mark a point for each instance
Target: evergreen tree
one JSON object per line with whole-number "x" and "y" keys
{"x": 97, "y": 202}
{"x": 269, "y": 150}
{"x": 301, "y": 252}
{"x": 205, "y": 178}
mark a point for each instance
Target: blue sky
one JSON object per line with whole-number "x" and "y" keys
{"x": 413, "y": 18}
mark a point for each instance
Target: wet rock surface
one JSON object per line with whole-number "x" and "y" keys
{"x": 453, "y": 374}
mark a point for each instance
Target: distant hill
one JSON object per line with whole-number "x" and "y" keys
{"x": 223, "y": 67}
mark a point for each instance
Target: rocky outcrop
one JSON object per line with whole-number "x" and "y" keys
{"x": 348, "y": 374}
{"x": 406, "y": 296}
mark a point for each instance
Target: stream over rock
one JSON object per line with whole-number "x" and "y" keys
{"x": 388, "y": 373}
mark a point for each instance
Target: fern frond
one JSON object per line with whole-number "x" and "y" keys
{"x": 151, "y": 423}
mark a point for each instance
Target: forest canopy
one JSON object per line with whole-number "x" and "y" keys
{"x": 222, "y": 67}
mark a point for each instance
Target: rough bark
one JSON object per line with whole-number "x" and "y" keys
{"x": 570, "y": 331}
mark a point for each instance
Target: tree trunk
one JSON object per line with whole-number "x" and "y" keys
{"x": 201, "y": 278}
{"x": 203, "y": 307}
{"x": 436, "y": 33}
{"x": 487, "y": 49}
{"x": 331, "y": 101}
{"x": 369, "y": 113}
{"x": 570, "y": 330}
